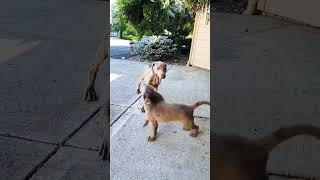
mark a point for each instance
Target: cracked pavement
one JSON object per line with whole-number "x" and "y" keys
{"x": 46, "y": 132}
{"x": 266, "y": 74}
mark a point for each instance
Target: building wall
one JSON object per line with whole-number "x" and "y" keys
{"x": 200, "y": 48}
{"x": 304, "y": 11}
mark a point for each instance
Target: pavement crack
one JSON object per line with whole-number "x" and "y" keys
{"x": 39, "y": 165}
{"x": 61, "y": 144}
{"x": 291, "y": 176}
{"x": 82, "y": 148}
{"x": 69, "y": 136}
{"x": 26, "y": 139}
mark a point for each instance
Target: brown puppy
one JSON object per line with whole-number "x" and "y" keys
{"x": 238, "y": 158}
{"x": 152, "y": 76}
{"x": 157, "y": 110}
{"x": 104, "y": 150}
{"x": 102, "y": 54}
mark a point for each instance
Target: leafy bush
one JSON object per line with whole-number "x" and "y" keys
{"x": 130, "y": 33}
{"x": 147, "y": 16}
{"x": 180, "y": 23}
{"x": 156, "y": 17}
{"x": 134, "y": 19}
{"x": 154, "y": 48}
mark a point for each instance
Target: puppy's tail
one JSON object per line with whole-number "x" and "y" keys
{"x": 277, "y": 137}
{"x": 199, "y": 103}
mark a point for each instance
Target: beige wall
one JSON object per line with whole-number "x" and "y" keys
{"x": 304, "y": 11}
{"x": 200, "y": 48}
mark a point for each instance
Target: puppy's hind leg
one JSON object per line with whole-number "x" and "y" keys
{"x": 194, "y": 131}
{"x": 104, "y": 150}
{"x": 154, "y": 127}
{"x": 188, "y": 124}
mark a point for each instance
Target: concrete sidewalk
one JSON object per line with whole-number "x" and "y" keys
{"x": 46, "y": 132}
{"x": 267, "y": 75}
{"x": 174, "y": 155}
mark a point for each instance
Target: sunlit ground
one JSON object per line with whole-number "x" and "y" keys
{"x": 114, "y": 76}
{"x": 119, "y": 42}
{"x": 10, "y": 48}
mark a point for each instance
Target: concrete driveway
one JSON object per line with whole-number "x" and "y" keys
{"x": 119, "y": 48}
{"x": 267, "y": 75}
{"x": 46, "y": 132}
{"x": 174, "y": 155}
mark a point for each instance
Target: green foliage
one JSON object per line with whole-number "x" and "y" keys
{"x": 146, "y": 16}
{"x": 118, "y": 23}
{"x": 115, "y": 24}
{"x": 131, "y": 33}
{"x": 191, "y": 3}
{"x": 180, "y": 22}
{"x": 137, "y": 18}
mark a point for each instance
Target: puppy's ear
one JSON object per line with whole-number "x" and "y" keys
{"x": 152, "y": 66}
{"x": 147, "y": 101}
{"x": 165, "y": 67}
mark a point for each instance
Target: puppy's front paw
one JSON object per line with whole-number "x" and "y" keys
{"x": 151, "y": 138}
